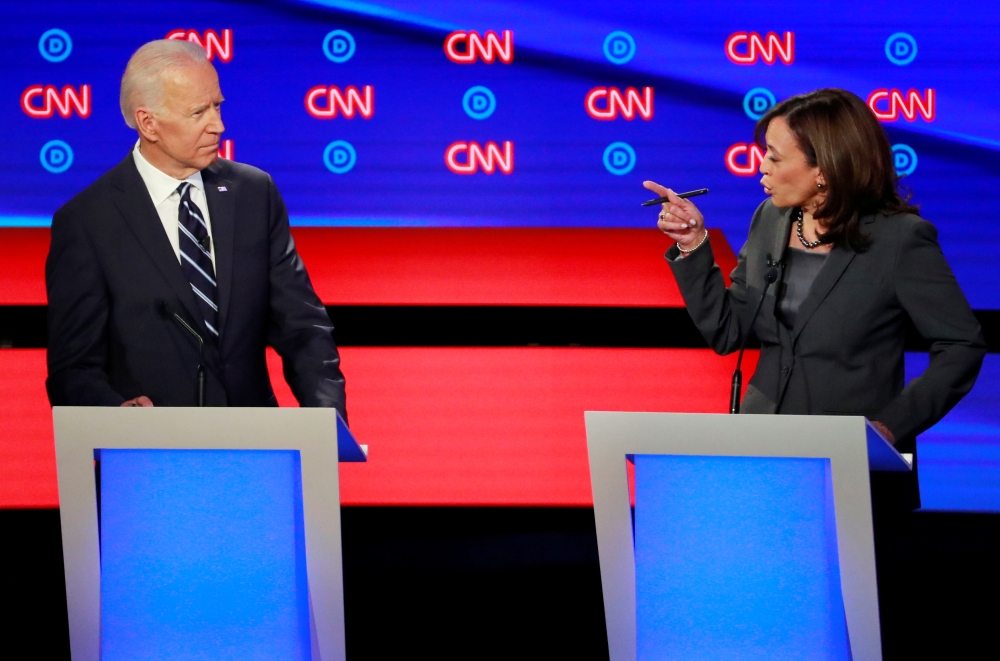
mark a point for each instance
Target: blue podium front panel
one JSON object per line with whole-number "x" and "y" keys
{"x": 736, "y": 558}
{"x": 202, "y": 555}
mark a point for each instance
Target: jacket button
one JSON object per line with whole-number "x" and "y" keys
{"x": 784, "y": 371}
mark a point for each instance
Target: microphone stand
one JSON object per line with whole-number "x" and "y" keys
{"x": 167, "y": 310}
{"x": 735, "y": 393}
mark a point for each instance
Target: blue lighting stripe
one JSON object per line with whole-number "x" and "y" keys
{"x": 963, "y": 137}
{"x": 370, "y": 9}
{"x": 25, "y": 221}
{"x": 333, "y": 221}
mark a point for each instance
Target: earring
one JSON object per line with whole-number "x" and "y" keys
{"x": 819, "y": 186}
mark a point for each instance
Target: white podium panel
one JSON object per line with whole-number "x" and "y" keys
{"x": 751, "y": 535}
{"x": 202, "y": 532}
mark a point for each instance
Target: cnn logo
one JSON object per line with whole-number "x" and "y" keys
{"x": 214, "y": 45}
{"x": 488, "y": 48}
{"x": 744, "y": 158}
{"x": 347, "y": 103}
{"x": 607, "y": 103}
{"x": 749, "y": 47}
{"x": 474, "y": 157}
{"x": 889, "y": 104}
{"x": 53, "y": 101}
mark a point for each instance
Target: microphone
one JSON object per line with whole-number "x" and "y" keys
{"x": 167, "y": 311}
{"x": 770, "y": 277}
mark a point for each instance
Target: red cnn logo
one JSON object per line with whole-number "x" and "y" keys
{"x": 211, "y": 42}
{"x": 488, "y": 48}
{"x": 226, "y": 150}
{"x": 475, "y": 157}
{"x": 348, "y": 102}
{"x": 909, "y": 105}
{"x": 615, "y": 102}
{"x": 771, "y": 48}
{"x": 754, "y": 157}
{"x": 54, "y": 101}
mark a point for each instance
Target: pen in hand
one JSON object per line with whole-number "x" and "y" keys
{"x": 683, "y": 196}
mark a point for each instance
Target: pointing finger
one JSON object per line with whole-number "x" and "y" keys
{"x": 660, "y": 191}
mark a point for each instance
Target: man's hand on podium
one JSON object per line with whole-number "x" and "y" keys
{"x": 141, "y": 400}
{"x": 882, "y": 429}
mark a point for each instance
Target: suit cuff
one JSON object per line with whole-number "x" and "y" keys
{"x": 695, "y": 259}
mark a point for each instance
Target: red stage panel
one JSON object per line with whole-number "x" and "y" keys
{"x": 441, "y": 266}
{"x": 22, "y": 266}
{"x": 27, "y": 453}
{"x": 446, "y": 426}
{"x": 493, "y": 266}
{"x": 502, "y": 426}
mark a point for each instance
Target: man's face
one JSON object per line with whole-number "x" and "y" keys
{"x": 187, "y": 127}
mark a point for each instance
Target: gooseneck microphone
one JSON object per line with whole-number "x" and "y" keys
{"x": 770, "y": 277}
{"x": 167, "y": 311}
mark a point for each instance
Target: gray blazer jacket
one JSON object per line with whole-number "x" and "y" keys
{"x": 845, "y": 354}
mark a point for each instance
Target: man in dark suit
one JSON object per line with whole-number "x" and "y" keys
{"x": 176, "y": 268}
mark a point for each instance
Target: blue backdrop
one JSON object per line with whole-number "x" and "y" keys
{"x": 711, "y": 67}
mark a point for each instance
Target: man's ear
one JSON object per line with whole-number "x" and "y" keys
{"x": 146, "y": 125}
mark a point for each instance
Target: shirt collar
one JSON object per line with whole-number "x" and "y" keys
{"x": 160, "y": 184}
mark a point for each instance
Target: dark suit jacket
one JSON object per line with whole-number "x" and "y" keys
{"x": 845, "y": 354}
{"x": 114, "y": 282}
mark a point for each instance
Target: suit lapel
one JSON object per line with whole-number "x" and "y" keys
{"x": 836, "y": 263}
{"x": 221, "y": 196}
{"x": 132, "y": 200}
{"x": 778, "y": 247}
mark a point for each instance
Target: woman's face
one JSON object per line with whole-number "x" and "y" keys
{"x": 788, "y": 177}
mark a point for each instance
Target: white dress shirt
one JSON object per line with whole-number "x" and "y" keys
{"x": 163, "y": 190}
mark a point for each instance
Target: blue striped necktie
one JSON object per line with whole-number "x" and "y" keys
{"x": 196, "y": 260}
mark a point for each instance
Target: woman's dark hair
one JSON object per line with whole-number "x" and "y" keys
{"x": 839, "y": 133}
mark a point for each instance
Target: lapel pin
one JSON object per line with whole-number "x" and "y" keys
{"x": 222, "y": 189}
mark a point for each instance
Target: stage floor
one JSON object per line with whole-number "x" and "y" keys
{"x": 508, "y": 582}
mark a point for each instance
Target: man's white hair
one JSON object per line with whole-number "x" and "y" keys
{"x": 142, "y": 84}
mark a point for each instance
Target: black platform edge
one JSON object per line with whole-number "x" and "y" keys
{"x": 524, "y": 582}
{"x": 488, "y": 326}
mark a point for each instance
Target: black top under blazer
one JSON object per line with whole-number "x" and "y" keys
{"x": 114, "y": 283}
{"x": 844, "y": 355}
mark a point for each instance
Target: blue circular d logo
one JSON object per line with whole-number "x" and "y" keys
{"x": 901, "y": 48}
{"x": 904, "y": 158}
{"x": 619, "y": 158}
{"x": 339, "y": 46}
{"x": 619, "y": 47}
{"x": 56, "y": 156}
{"x": 339, "y": 157}
{"x": 55, "y": 45}
{"x": 479, "y": 102}
{"x": 757, "y": 102}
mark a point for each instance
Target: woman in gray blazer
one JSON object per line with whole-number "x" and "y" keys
{"x": 854, "y": 262}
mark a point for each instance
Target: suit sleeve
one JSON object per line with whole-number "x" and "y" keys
{"x": 717, "y": 311}
{"x": 300, "y": 329}
{"x": 77, "y": 319}
{"x": 930, "y": 295}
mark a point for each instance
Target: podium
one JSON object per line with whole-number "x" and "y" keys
{"x": 202, "y": 533}
{"x": 750, "y": 536}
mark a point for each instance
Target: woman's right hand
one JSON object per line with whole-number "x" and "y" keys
{"x": 679, "y": 219}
